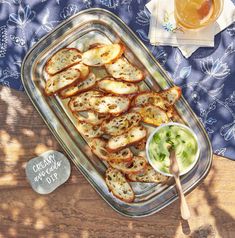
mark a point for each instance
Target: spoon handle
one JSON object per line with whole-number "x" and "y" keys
{"x": 185, "y": 213}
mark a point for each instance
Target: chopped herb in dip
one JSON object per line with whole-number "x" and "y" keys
{"x": 178, "y": 138}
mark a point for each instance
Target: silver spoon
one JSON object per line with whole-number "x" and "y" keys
{"x": 174, "y": 169}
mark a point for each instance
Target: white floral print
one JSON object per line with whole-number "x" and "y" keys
{"x": 3, "y": 41}
{"x": 216, "y": 69}
{"x": 110, "y": 3}
{"x": 23, "y": 16}
{"x": 68, "y": 11}
{"x": 143, "y": 17}
{"x": 228, "y": 131}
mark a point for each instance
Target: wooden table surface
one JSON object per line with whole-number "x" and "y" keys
{"x": 75, "y": 209}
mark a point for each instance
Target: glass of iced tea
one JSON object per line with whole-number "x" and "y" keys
{"x": 194, "y": 14}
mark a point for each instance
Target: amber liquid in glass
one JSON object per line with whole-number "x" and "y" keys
{"x": 193, "y": 14}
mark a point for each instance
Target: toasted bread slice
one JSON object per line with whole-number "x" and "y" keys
{"x": 163, "y": 99}
{"x": 121, "y": 124}
{"x": 113, "y": 86}
{"x": 91, "y": 117}
{"x": 98, "y": 147}
{"x": 83, "y": 86}
{"x": 62, "y": 59}
{"x": 81, "y": 102}
{"x": 88, "y": 130}
{"x": 114, "y": 105}
{"x": 61, "y": 80}
{"x": 122, "y": 69}
{"x": 152, "y": 115}
{"x": 102, "y": 55}
{"x": 133, "y": 136}
{"x": 150, "y": 98}
{"x": 84, "y": 70}
{"x": 171, "y": 95}
{"x": 118, "y": 185}
{"x": 149, "y": 175}
{"x": 136, "y": 165}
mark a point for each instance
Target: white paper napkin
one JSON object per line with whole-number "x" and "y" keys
{"x": 163, "y": 29}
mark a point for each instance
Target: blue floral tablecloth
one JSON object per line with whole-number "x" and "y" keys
{"x": 207, "y": 77}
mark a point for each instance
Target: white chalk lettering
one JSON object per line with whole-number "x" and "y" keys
{"x": 55, "y": 175}
{"x": 48, "y": 180}
{"x": 43, "y": 164}
{"x": 34, "y": 169}
{"x": 46, "y": 169}
{"x": 52, "y": 157}
{"x": 51, "y": 178}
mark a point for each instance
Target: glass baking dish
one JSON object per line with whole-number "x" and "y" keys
{"x": 95, "y": 26}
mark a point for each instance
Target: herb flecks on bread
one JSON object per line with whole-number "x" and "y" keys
{"x": 63, "y": 59}
{"x": 118, "y": 185}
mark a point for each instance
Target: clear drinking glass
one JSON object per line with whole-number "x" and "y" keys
{"x": 194, "y": 14}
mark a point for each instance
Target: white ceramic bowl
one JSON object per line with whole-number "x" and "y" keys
{"x": 156, "y": 131}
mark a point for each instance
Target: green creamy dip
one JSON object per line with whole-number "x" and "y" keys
{"x": 181, "y": 140}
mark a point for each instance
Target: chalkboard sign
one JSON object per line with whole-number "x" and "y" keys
{"x": 48, "y": 171}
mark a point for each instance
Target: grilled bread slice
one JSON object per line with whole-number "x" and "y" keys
{"x": 81, "y": 103}
{"x": 118, "y": 185}
{"x": 113, "y": 86}
{"x": 122, "y": 69}
{"x": 85, "y": 85}
{"x": 133, "y": 136}
{"x": 149, "y": 175}
{"x": 91, "y": 117}
{"x": 88, "y": 130}
{"x": 152, "y": 115}
{"x": 162, "y": 99}
{"x": 121, "y": 124}
{"x": 98, "y": 147}
{"x": 63, "y": 59}
{"x": 147, "y": 98}
{"x": 61, "y": 80}
{"x": 102, "y": 55}
{"x": 171, "y": 95}
{"x": 136, "y": 165}
{"x": 113, "y": 105}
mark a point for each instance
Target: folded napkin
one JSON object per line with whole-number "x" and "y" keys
{"x": 164, "y": 31}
